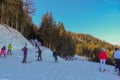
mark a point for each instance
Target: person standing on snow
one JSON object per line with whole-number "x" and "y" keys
{"x": 39, "y": 58}
{"x": 25, "y": 49}
{"x": 117, "y": 59}
{"x": 9, "y": 49}
{"x": 116, "y": 66}
{"x": 55, "y": 54}
{"x": 3, "y": 51}
{"x": 102, "y": 57}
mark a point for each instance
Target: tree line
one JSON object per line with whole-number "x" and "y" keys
{"x": 67, "y": 43}
{"x": 17, "y": 14}
{"x": 55, "y": 36}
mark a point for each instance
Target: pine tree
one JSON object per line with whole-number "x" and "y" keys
{"x": 13, "y": 14}
{"x": 47, "y": 28}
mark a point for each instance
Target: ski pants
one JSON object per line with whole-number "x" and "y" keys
{"x": 9, "y": 52}
{"x": 24, "y": 58}
{"x": 118, "y": 64}
{"x": 56, "y": 59}
{"x": 39, "y": 57}
{"x": 103, "y": 65}
{"x": 3, "y": 52}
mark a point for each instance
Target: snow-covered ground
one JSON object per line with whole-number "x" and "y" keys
{"x": 9, "y": 35}
{"x": 115, "y": 43}
{"x": 11, "y": 67}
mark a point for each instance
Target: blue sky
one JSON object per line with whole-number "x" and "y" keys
{"x": 99, "y": 18}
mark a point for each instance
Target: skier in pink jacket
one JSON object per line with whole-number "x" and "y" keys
{"x": 3, "y": 51}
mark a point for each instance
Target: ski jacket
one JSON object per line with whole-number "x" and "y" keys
{"x": 102, "y": 55}
{"x": 39, "y": 50}
{"x": 117, "y": 54}
{"x": 3, "y": 48}
{"x": 10, "y": 47}
{"x": 55, "y": 53}
{"x": 25, "y": 50}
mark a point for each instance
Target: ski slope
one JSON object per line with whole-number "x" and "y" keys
{"x": 9, "y": 35}
{"x": 11, "y": 67}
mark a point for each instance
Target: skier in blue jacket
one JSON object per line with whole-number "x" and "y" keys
{"x": 117, "y": 59}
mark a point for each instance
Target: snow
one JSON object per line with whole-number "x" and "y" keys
{"x": 11, "y": 67}
{"x": 9, "y": 35}
{"x": 115, "y": 43}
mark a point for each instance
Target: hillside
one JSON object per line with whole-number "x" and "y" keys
{"x": 89, "y": 46}
{"x": 87, "y": 38}
{"x": 9, "y": 35}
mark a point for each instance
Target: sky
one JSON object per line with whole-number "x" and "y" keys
{"x": 99, "y": 18}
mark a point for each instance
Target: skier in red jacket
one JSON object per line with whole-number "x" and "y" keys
{"x": 102, "y": 57}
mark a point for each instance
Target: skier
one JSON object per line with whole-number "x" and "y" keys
{"x": 3, "y": 51}
{"x": 116, "y": 66}
{"x": 55, "y": 54}
{"x": 9, "y": 49}
{"x": 102, "y": 57}
{"x": 25, "y": 53}
{"x": 39, "y": 58}
{"x": 117, "y": 58}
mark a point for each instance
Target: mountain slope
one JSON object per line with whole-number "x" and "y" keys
{"x": 9, "y": 35}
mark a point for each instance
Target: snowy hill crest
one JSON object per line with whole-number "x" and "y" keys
{"x": 9, "y": 35}
{"x": 116, "y": 43}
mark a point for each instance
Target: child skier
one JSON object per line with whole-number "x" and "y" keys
{"x": 39, "y": 58}
{"x": 102, "y": 57}
{"x": 24, "y": 54}
{"x": 55, "y": 54}
{"x": 3, "y": 51}
{"x": 9, "y": 49}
